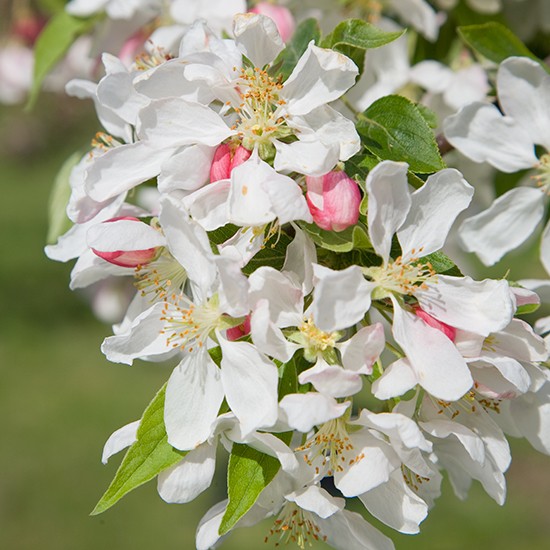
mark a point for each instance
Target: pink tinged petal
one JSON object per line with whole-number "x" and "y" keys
{"x": 373, "y": 462}
{"x": 120, "y": 169}
{"x": 523, "y": 92}
{"x": 317, "y": 500}
{"x": 331, "y": 380}
{"x": 396, "y": 505}
{"x": 438, "y": 366}
{"x": 187, "y": 170}
{"x": 507, "y": 223}
{"x": 389, "y": 203}
{"x": 189, "y": 243}
{"x": 360, "y": 352}
{"x": 221, "y": 163}
{"x": 143, "y": 338}
{"x": 434, "y": 208}
{"x": 250, "y": 382}
{"x": 126, "y": 241}
{"x": 448, "y": 331}
{"x": 258, "y": 37}
{"x": 236, "y": 333}
{"x": 119, "y": 440}
{"x": 341, "y": 298}
{"x": 510, "y": 148}
{"x": 303, "y": 411}
{"x": 189, "y": 478}
{"x": 208, "y": 206}
{"x": 281, "y": 16}
{"x": 477, "y": 306}
{"x": 319, "y": 77}
{"x": 268, "y": 337}
{"x": 313, "y": 158}
{"x": 397, "y": 379}
{"x": 333, "y": 201}
{"x": 172, "y": 122}
{"x": 194, "y": 394}
{"x": 349, "y": 531}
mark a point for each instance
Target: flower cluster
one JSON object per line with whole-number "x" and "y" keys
{"x": 287, "y": 260}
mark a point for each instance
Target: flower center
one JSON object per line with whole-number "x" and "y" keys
{"x": 146, "y": 61}
{"x": 188, "y": 325}
{"x": 295, "y": 525}
{"x": 104, "y": 141}
{"x": 160, "y": 277}
{"x": 542, "y": 179}
{"x": 314, "y": 340}
{"x": 332, "y": 444}
{"x": 401, "y": 277}
{"x": 260, "y": 117}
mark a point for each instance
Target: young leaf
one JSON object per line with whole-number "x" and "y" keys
{"x": 354, "y": 237}
{"x": 354, "y": 36}
{"x": 495, "y": 42}
{"x": 442, "y": 264}
{"x": 146, "y": 458}
{"x": 306, "y": 31}
{"x": 250, "y": 471}
{"x": 53, "y": 42}
{"x": 394, "y": 129}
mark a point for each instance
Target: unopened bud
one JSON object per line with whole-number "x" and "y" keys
{"x": 333, "y": 200}
{"x": 282, "y": 17}
{"x": 234, "y": 333}
{"x": 225, "y": 159}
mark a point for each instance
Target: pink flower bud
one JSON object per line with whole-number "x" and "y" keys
{"x": 333, "y": 200}
{"x": 127, "y": 258}
{"x": 225, "y": 159}
{"x": 239, "y": 331}
{"x": 282, "y": 17}
{"x": 28, "y": 28}
{"x": 448, "y": 331}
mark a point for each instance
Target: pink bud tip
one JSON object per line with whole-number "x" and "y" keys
{"x": 333, "y": 200}
{"x": 239, "y": 331}
{"x": 448, "y": 331}
{"x": 282, "y": 17}
{"x": 225, "y": 159}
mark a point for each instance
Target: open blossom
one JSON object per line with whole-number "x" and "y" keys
{"x": 522, "y": 86}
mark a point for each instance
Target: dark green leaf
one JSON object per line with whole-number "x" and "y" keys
{"x": 306, "y": 31}
{"x": 273, "y": 254}
{"x": 442, "y": 264}
{"x": 393, "y": 128}
{"x": 145, "y": 459}
{"x": 52, "y": 44}
{"x": 354, "y": 237}
{"x": 250, "y": 471}
{"x": 495, "y": 42}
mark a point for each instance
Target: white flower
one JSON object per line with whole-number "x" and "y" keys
{"x": 507, "y": 142}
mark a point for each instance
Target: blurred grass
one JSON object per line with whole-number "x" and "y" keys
{"x": 60, "y": 400}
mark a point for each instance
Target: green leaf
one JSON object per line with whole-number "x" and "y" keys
{"x": 306, "y": 31}
{"x": 146, "y": 458}
{"x": 354, "y": 237}
{"x": 52, "y": 44}
{"x": 442, "y": 264}
{"x": 495, "y": 42}
{"x": 272, "y": 254}
{"x": 393, "y": 128}
{"x": 353, "y": 37}
{"x": 527, "y": 308}
{"x": 250, "y": 471}
{"x": 429, "y": 116}
{"x": 58, "y": 222}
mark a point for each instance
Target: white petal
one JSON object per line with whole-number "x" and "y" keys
{"x": 250, "y": 382}
{"x": 303, "y": 411}
{"x": 208, "y": 205}
{"x": 361, "y": 351}
{"x": 120, "y": 439}
{"x": 332, "y": 380}
{"x": 189, "y": 478}
{"x": 316, "y": 500}
{"x": 434, "y": 208}
{"x": 509, "y": 148}
{"x": 193, "y": 397}
{"x": 524, "y": 91}
{"x": 258, "y": 37}
{"x": 320, "y": 76}
{"x": 397, "y": 379}
{"x": 389, "y": 203}
{"x": 420, "y": 15}
{"x": 271, "y": 445}
{"x": 438, "y": 366}
{"x": 123, "y": 235}
{"x": 477, "y": 306}
{"x": 396, "y": 505}
{"x": 209, "y": 526}
{"x": 301, "y": 254}
{"x": 188, "y": 170}
{"x": 312, "y": 158}
{"x": 507, "y": 223}
{"x": 341, "y": 298}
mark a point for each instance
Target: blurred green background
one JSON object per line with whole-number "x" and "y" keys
{"x": 60, "y": 399}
